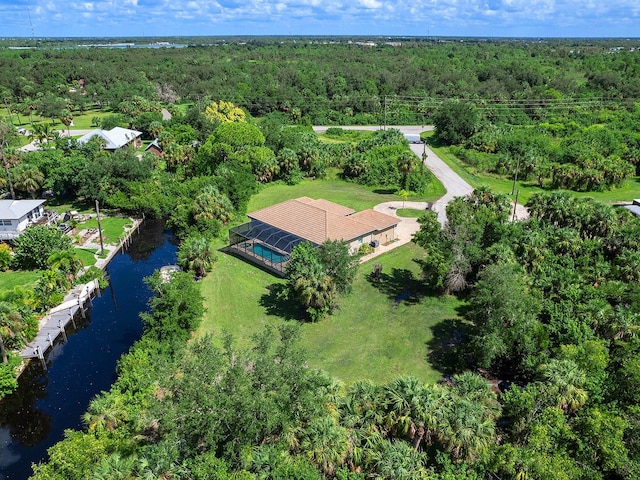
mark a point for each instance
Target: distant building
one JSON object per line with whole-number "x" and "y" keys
{"x": 16, "y": 215}
{"x": 155, "y": 148}
{"x": 115, "y": 138}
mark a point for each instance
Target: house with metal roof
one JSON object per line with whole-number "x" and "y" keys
{"x": 155, "y": 148}
{"x": 272, "y": 232}
{"x": 16, "y": 215}
{"x": 115, "y": 138}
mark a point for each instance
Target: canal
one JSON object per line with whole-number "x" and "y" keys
{"x": 46, "y": 403}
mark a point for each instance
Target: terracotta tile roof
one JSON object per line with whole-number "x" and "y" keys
{"x": 317, "y": 220}
{"x": 327, "y": 206}
{"x": 376, "y": 220}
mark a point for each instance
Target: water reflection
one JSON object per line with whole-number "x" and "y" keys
{"x": 46, "y": 403}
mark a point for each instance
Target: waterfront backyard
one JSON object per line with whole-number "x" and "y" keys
{"x": 380, "y": 331}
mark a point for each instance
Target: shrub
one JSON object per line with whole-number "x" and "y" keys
{"x": 5, "y": 257}
{"x": 36, "y": 244}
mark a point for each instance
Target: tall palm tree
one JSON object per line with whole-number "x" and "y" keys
{"x": 66, "y": 117}
{"x": 407, "y": 163}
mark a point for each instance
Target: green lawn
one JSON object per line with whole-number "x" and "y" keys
{"x": 87, "y": 256}
{"x": 62, "y": 205}
{"x": 112, "y": 227}
{"x": 10, "y": 279}
{"x": 409, "y": 213}
{"x": 336, "y": 190}
{"x": 372, "y": 335}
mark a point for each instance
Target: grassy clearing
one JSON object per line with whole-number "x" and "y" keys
{"x": 351, "y": 136}
{"x": 373, "y": 335}
{"x": 336, "y": 190}
{"x": 87, "y": 256}
{"x": 112, "y": 227}
{"x": 64, "y": 205}
{"x": 10, "y": 279}
{"x": 409, "y": 213}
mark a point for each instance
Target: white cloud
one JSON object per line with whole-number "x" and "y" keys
{"x": 299, "y": 17}
{"x": 370, "y": 3}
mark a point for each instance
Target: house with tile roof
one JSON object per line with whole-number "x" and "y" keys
{"x": 16, "y": 215}
{"x": 272, "y": 232}
{"x": 115, "y": 138}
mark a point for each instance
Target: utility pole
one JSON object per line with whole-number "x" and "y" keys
{"x": 99, "y": 228}
{"x": 515, "y": 177}
{"x": 385, "y": 112}
{"x": 515, "y": 206}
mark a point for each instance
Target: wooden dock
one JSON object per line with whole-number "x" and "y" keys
{"x": 54, "y": 323}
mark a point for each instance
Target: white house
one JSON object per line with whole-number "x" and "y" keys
{"x": 16, "y": 215}
{"x": 115, "y": 138}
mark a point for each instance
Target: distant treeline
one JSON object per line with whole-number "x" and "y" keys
{"x": 334, "y": 79}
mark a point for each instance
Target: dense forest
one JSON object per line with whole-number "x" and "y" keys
{"x": 551, "y": 305}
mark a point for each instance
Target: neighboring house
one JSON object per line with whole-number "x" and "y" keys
{"x": 115, "y": 138}
{"x": 273, "y": 232}
{"x": 155, "y": 148}
{"x": 16, "y": 215}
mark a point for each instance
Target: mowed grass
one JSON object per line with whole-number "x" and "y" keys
{"x": 331, "y": 188}
{"x": 375, "y": 334}
{"x": 11, "y": 279}
{"x": 112, "y": 227}
{"x": 86, "y": 256}
{"x": 409, "y": 212}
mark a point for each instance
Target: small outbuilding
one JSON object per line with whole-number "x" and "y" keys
{"x": 155, "y": 148}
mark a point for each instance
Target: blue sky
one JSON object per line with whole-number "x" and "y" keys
{"x": 499, "y": 18}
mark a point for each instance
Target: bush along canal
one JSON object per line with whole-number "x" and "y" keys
{"x": 46, "y": 403}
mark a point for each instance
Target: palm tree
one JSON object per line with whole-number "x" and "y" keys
{"x": 287, "y": 159}
{"x": 155, "y": 128}
{"x": 407, "y": 163}
{"x": 67, "y": 262}
{"x": 316, "y": 293}
{"x": 566, "y": 380}
{"x": 30, "y": 179}
{"x": 468, "y": 431}
{"x": 195, "y": 255}
{"x": 210, "y": 204}
{"x": 41, "y": 132}
{"x": 103, "y": 413}
{"x": 398, "y": 461}
{"x": 326, "y": 444}
{"x": 67, "y": 119}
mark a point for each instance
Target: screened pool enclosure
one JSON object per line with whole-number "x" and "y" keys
{"x": 263, "y": 244}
